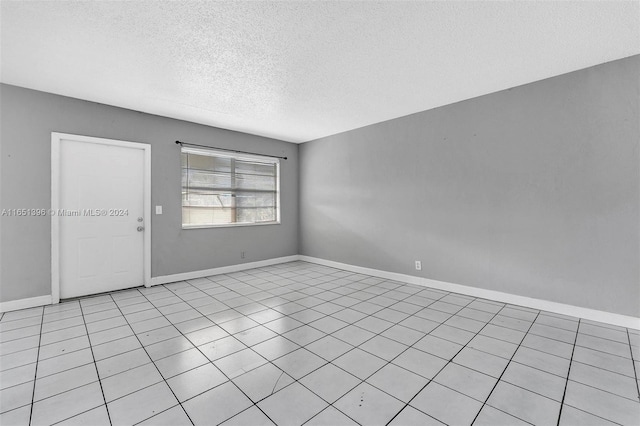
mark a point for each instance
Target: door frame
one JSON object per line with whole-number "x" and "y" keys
{"x": 56, "y": 139}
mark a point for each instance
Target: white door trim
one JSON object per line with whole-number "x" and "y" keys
{"x": 55, "y": 203}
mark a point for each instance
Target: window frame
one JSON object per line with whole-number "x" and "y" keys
{"x": 234, "y": 156}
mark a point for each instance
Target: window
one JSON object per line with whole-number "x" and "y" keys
{"x": 223, "y": 189}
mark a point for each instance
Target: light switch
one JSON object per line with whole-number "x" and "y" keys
{"x": 158, "y": 209}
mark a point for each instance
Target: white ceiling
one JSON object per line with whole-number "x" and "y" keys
{"x": 298, "y": 71}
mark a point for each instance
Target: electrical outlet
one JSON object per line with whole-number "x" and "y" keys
{"x": 241, "y": 255}
{"x": 418, "y": 265}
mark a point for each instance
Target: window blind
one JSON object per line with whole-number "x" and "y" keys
{"x": 226, "y": 189}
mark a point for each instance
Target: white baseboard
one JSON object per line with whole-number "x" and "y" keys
{"x": 545, "y": 305}
{"x": 30, "y": 302}
{"x": 164, "y": 279}
{"x": 529, "y": 302}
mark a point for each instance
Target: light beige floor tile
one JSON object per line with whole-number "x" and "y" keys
{"x": 65, "y": 381}
{"x": 418, "y": 362}
{"x": 168, "y": 347}
{"x": 64, "y": 362}
{"x": 369, "y": 406}
{"x": 141, "y": 405}
{"x": 481, "y": 361}
{"x": 524, "y": 404}
{"x": 609, "y": 346}
{"x": 19, "y": 333}
{"x": 354, "y": 335}
{"x": 206, "y": 335}
{"x": 330, "y": 382}
{"x": 537, "y": 381}
{"x": 409, "y": 416}
{"x": 493, "y": 346}
{"x": 490, "y": 416}
{"x": 180, "y": 362}
{"x": 16, "y": 396}
{"x": 221, "y": 348}
{"x": 572, "y": 416}
{"x": 255, "y": 335}
{"x": 64, "y": 334}
{"x": 388, "y": 316}
{"x": 123, "y": 362}
{"x": 605, "y": 380}
{"x": 602, "y": 404}
{"x": 63, "y": 347}
{"x": 251, "y": 416}
{"x": 275, "y": 348}
{"x": 453, "y": 334}
{"x": 19, "y": 416}
{"x": 604, "y": 360}
{"x": 383, "y": 347}
{"x": 19, "y": 345}
{"x": 263, "y": 381}
{"x": 466, "y": 381}
{"x": 158, "y": 335}
{"x": 330, "y": 417}
{"x": 437, "y": 346}
{"x": 503, "y": 333}
{"x": 175, "y": 416}
{"x": 329, "y": 348}
{"x": 17, "y": 359}
{"x": 398, "y": 382}
{"x": 106, "y": 324}
{"x": 130, "y": 381}
{"x": 446, "y": 405}
{"x": 239, "y": 363}
{"x": 116, "y": 347}
{"x": 542, "y": 361}
{"x": 359, "y": 363}
{"x": 553, "y": 333}
{"x": 216, "y": 405}
{"x": 292, "y": 405}
{"x": 304, "y": 335}
{"x": 67, "y": 404}
{"x": 110, "y": 335}
{"x": 194, "y": 382}
{"x": 13, "y": 325}
{"x": 17, "y": 376}
{"x": 95, "y": 417}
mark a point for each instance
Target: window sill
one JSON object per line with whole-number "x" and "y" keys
{"x": 229, "y": 225}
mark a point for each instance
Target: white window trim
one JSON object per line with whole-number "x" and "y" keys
{"x": 247, "y": 157}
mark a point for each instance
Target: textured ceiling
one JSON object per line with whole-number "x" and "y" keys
{"x": 298, "y": 71}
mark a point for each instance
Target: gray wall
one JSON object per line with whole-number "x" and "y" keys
{"x": 532, "y": 191}
{"x": 27, "y": 119}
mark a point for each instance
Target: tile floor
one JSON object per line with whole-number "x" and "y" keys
{"x": 299, "y": 343}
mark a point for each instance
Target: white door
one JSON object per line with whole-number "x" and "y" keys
{"x": 101, "y": 217}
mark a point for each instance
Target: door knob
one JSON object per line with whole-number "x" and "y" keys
{"x": 140, "y": 228}
{"x": 140, "y": 219}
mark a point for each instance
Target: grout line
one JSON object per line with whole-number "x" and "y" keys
{"x": 159, "y": 372}
{"x": 449, "y": 361}
{"x": 359, "y": 346}
{"x": 35, "y": 374}
{"x": 503, "y": 371}
{"x": 566, "y": 384}
{"x": 209, "y": 362}
{"x": 633, "y": 362}
{"x": 373, "y": 314}
{"x": 299, "y": 280}
{"x": 302, "y": 347}
{"x": 95, "y": 366}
